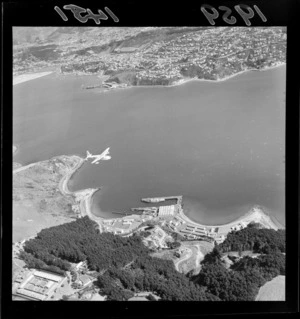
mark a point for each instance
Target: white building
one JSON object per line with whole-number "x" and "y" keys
{"x": 166, "y": 210}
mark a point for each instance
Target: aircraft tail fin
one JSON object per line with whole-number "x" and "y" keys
{"x": 88, "y": 154}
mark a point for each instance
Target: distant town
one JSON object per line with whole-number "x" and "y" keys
{"x": 159, "y": 56}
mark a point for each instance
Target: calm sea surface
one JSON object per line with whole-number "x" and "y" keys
{"x": 220, "y": 145}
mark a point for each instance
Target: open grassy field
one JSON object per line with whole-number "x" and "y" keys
{"x": 273, "y": 290}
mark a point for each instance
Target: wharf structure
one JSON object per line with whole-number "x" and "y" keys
{"x": 172, "y": 217}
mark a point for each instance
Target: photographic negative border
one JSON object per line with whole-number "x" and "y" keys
{"x": 153, "y": 13}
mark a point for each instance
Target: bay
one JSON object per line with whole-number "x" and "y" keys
{"x": 220, "y": 145}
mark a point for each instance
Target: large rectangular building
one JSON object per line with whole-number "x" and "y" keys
{"x": 166, "y": 210}
{"x": 40, "y": 285}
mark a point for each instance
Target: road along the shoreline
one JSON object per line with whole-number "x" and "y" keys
{"x": 82, "y": 197}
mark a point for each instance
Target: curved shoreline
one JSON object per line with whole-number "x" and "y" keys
{"x": 30, "y": 76}
{"x": 84, "y": 198}
{"x": 183, "y": 81}
{"x": 187, "y": 80}
{"x": 255, "y": 214}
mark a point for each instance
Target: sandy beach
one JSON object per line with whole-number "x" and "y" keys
{"x": 83, "y": 197}
{"x": 27, "y": 77}
{"x": 256, "y": 214}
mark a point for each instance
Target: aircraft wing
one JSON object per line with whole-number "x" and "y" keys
{"x": 95, "y": 160}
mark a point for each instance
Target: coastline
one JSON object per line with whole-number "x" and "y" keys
{"x": 183, "y": 81}
{"x": 29, "y": 76}
{"x": 255, "y": 214}
{"x": 187, "y": 80}
{"x": 83, "y": 199}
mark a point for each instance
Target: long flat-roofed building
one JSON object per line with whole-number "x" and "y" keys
{"x": 166, "y": 210}
{"x": 40, "y": 285}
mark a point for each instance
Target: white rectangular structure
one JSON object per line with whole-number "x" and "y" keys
{"x": 166, "y": 210}
{"x": 46, "y": 275}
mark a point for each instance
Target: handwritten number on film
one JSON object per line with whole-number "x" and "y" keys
{"x": 242, "y": 9}
{"x": 77, "y": 11}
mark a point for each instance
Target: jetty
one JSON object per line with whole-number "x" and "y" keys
{"x": 162, "y": 199}
{"x": 142, "y": 210}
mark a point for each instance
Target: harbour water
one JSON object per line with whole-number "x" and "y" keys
{"x": 220, "y": 145}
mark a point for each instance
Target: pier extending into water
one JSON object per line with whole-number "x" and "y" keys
{"x": 162, "y": 199}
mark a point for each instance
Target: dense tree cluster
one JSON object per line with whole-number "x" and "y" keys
{"x": 126, "y": 267}
{"x": 33, "y": 262}
{"x": 80, "y": 240}
{"x": 244, "y": 278}
{"x": 151, "y": 274}
{"x": 227, "y": 285}
{"x": 269, "y": 266}
{"x": 125, "y": 263}
{"x": 263, "y": 241}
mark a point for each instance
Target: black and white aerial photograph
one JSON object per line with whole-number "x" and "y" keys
{"x": 149, "y": 163}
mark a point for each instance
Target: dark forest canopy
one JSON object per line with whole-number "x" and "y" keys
{"x": 126, "y": 266}
{"x": 155, "y": 275}
{"x": 125, "y": 262}
{"x": 252, "y": 238}
{"x": 245, "y": 276}
{"x": 80, "y": 240}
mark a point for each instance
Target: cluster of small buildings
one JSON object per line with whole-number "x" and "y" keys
{"x": 39, "y": 285}
{"x": 157, "y": 239}
{"x": 207, "y": 49}
{"x": 191, "y": 231}
{"x": 213, "y": 48}
{"x": 239, "y": 226}
{"x": 81, "y": 278}
{"x": 119, "y": 226}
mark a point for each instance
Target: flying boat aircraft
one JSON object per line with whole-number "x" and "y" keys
{"x": 103, "y": 156}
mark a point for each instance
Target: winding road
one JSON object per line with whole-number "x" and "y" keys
{"x": 186, "y": 257}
